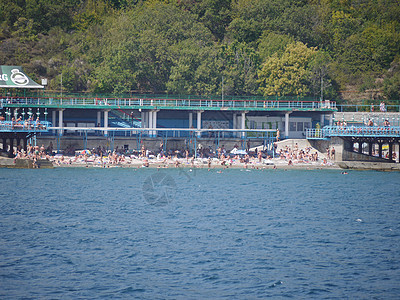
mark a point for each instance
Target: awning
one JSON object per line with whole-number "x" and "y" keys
{"x": 14, "y": 77}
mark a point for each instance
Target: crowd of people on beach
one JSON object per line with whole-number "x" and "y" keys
{"x": 34, "y": 152}
{"x": 305, "y": 156}
{"x": 204, "y": 157}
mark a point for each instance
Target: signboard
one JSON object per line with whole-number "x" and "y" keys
{"x": 14, "y": 77}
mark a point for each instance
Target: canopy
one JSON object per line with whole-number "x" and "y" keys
{"x": 14, "y": 77}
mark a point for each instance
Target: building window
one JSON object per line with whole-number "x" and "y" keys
{"x": 253, "y": 125}
{"x": 300, "y": 126}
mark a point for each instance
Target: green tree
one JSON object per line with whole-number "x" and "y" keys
{"x": 288, "y": 74}
{"x": 271, "y": 42}
{"x": 47, "y": 14}
{"x": 239, "y": 65}
{"x": 146, "y": 44}
{"x": 391, "y": 83}
{"x": 214, "y": 14}
{"x": 94, "y": 12}
{"x": 193, "y": 69}
{"x": 321, "y": 84}
{"x": 251, "y": 18}
{"x": 10, "y": 11}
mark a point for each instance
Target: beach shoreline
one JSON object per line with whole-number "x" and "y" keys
{"x": 182, "y": 163}
{"x": 177, "y": 163}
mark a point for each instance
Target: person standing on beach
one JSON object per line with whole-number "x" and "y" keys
{"x": 382, "y": 106}
{"x": 278, "y": 134}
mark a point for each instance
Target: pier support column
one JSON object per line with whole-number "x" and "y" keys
{"x": 199, "y": 123}
{"x": 11, "y": 151}
{"x": 98, "y": 122}
{"x": 287, "y": 125}
{"x": 243, "y": 123}
{"x": 25, "y": 144}
{"x": 360, "y": 147}
{"x": 60, "y": 122}
{"x": 190, "y": 120}
{"x": 154, "y": 124}
{"x": 4, "y": 145}
{"x": 150, "y": 120}
{"x": 391, "y": 151}
{"x": 234, "y": 121}
{"x": 322, "y": 121}
{"x": 147, "y": 122}
{"x": 143, "y": 119}
{"x": 191, "y": 133}
{"x": 370, "y": 145}
{"x": 380, "y": 150}
{"x": 106, "y": 122}
{"x": 18, "y": 142}
{"x": 331, "y": 120}
{"x": 54, "y": 119}
{"x": 398, "y": 156}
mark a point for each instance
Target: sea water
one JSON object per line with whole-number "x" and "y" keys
{"x": 116, "y": 233}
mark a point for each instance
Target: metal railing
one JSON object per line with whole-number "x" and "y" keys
{"x": 353, "y": 131}
{"x": 366, "y": 108}
{"x": 24, "y": 126}
{"x": 170, "y": 132}
{"x": 377, "y": 118}
{"x": 167, "y": 103}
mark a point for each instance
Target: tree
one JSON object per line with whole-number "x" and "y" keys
{"x": 288, "y": 74}
{"x": 194, "y": 69}
{"x": 251, "y": 18}
{"x": 239, "y": 69}
{"x": 148, "y": 47}
{"x": 271, "y": 42}
{"x": 320, "y": 82}
{"x": 391, "y": 83}
{"x": 214, "y": 14}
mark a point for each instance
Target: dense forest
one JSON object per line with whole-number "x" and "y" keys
{"x": 302, "y": 48}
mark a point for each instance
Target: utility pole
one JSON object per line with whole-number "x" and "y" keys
{"x": 322, "y": 87}
{"x": 222, "y": 88}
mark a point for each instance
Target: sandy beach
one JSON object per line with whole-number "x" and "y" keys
{"x": 199, "y": 163}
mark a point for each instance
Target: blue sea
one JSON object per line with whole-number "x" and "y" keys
{"x": 72, "y": 233}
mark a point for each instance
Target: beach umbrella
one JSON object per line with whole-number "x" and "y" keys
{"x": 83, "y": 152}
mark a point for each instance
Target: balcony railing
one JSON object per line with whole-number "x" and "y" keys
{"x": 169, "y": 103}
{"x": 24, "y": 126}
{"x": 353, "y": 131}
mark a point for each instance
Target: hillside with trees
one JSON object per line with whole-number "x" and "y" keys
{"x": 340, "y": 49}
